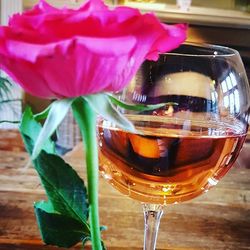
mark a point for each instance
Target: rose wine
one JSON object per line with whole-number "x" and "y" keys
{"x": 167, "y": 161}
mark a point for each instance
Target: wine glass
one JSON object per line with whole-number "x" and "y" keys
{"x": 184, "y": 147}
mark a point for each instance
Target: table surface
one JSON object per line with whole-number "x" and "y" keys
{"x": 219, "y": 219}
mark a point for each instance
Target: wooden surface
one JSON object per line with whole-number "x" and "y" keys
{"x": 220, "y": 219}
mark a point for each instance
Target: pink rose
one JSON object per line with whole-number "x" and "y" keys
{"x": 57, "y": 53}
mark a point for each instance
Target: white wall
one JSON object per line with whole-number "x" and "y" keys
{"x": 8, "y": 7}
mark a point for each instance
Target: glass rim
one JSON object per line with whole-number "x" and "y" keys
{"x": 218, "y": 50}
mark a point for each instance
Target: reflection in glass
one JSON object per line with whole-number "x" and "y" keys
{"x": 185, "y": 147}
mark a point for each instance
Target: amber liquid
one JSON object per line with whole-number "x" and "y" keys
{"x": 164, "y": 163}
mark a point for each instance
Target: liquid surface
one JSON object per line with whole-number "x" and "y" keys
{"x": 164, "y": 163}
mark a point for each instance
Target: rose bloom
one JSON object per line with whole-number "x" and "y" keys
{"x": 60, "y": 53}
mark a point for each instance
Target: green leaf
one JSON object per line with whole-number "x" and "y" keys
{"x": 136, "y": 107}
{"x": 64, "y": 188}
{"x": 43, "y": 115}
{"x": 31, "y": 128}
{"x": 5, "y": 87}
{"x": 58, "y": 229}
{"x": 103, "y": 106}
{"x": 66, "y": 193}
{"x": 57, "y": 112}
{"x": 7, "y": 102}
{"x": 67, "y": 208}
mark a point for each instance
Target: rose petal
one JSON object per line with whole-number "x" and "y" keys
{"x": 67, "y": 53}
{"x": 103, "y": 46}
{"x": 21, "y": 73}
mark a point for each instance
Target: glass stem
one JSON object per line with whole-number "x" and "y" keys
{"x": 152, "y": 218}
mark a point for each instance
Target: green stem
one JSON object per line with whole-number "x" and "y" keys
{"x": 86, "y": 119}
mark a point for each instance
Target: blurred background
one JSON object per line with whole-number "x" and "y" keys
{"x": 218, "y": 221}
